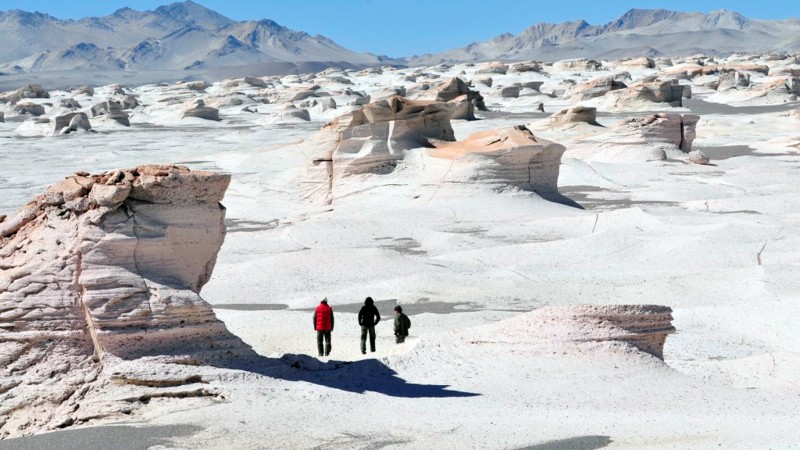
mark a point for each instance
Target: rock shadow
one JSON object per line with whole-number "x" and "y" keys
{"x": 573, "y": 443}
{"x": 561, "y": 199}
{"x": 367, "y": 375}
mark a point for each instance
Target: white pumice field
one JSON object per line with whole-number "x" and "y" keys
{"x": 592, "y": 254}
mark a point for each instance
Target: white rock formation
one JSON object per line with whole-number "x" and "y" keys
{"x": 572, "y": 117}
{"x": 595, "y": 88}
{"x": 571, "y": 328}
{"x": 104, "y": 269}
{"x": 643, "y": 95}
{"x": 288, "y": 112}
{"x": 199, "y": 109}
{"x": 456, "y": 90}
{"x": 509, "y": 157}
{"x": 373, "y": 140}
{"x": 27, "y": 91}
{"x": 645, "y": 138}
{"x": 70, "y": 122}
{"x": 34, "y": 109}
{"x": 495, "y": 67}
{"x": 113, "y": 111}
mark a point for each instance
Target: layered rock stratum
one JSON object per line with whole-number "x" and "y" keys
{"x": 99, "y": 274}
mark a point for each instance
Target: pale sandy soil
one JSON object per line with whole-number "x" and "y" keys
{"x": 720, "y": 244}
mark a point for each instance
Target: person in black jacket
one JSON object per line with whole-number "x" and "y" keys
{"x": 368, "y": 317}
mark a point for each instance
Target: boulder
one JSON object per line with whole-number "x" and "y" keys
{"x": 288, "y": 112}
{"x": 87, "y": 90}
{"x": 129, "y": 101}
{"x": 535, "y": 85}
{"x": 486, "y": 81}
{"x": 68, "y": 123}
{"x": 579, "y": 65}
{"x": 70, "y": 103}
{"x": 733, "y": 80}
{"x": 32, "y": 109}
{"x": 509, "y": 92}
{"x": 302, "y": 94}
{"x": 328, "y": 103}
{"x": 495, "y": 67}
{"x": 595, "y": 88}
{"x": 525, "y": 67}
{"x": 639, "y": 63}
{"x": 112, "y": 110}
{"x": 199, "y": 109}
{"x": 197, "y": 86}
{"x": 100, "y": 302}
{"x": 572, "y": 117}
{"x": 27, "y": 91}
{"x": 255, "y": 82}
{"x": 640, "y": 94}
{"x": 456, "y": 88}
{"x": 698, "y": 157}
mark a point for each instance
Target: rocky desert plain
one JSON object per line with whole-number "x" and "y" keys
{"x": 593, "y": 253}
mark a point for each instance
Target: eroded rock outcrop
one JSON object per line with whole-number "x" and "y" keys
{"x": 572, "y": 117}
{"x": 199, "y": 110}
{"x": 27, "y": 91}
{"x": 465, "y": 99}
{"x": 638, "y": 139}
{"x": 509, "y": 157}
{"x": 374, "y": 139}
{"x": 644, "y": 94}
{"x": 595, "y": 88}
{"x": 585, "y": 329}
{"x": 675, "y": 129}
{"x": 288, "y": 112}
{"x": 494, "y": 67}
{"x": 33, "y": 109}
{"x": 70, "y": 122}
{"x": 113, "y": 111}
{"x": 97, "y": 273}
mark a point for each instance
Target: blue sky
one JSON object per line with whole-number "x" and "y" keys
{"x": 406, "y": 27}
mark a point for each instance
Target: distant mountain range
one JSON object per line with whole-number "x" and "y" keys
{"x": 178, "y": 36}
{"x": 186, "y": 37}
{"x": 638, "y": 32}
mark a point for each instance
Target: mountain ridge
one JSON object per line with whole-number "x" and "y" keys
{"x": 657, "y": 32}
{"x": 34, "y": 42}
{"x": 185, "y": 36}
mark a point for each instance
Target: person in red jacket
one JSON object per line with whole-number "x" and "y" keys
{"x": 323, "y": 323}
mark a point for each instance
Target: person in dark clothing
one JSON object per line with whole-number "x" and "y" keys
{"x": 368, "y": 317}
{"x": 323, "y": 324}
{"x": 401, "y": 324}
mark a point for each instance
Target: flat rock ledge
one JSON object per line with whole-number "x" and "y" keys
{"x": 99, "y": 296}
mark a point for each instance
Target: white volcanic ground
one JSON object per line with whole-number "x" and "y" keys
{"x": 468, "y": 257}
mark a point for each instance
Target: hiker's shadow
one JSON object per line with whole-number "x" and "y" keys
{"x": 353, "y": 376}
